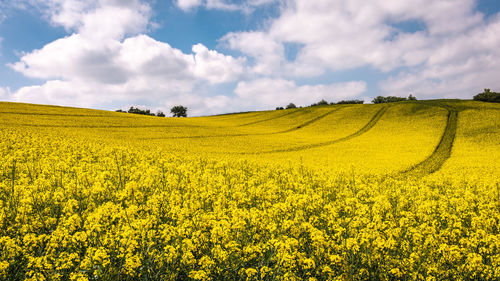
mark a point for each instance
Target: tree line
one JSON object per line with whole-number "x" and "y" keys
{"x": 177, "y": 111}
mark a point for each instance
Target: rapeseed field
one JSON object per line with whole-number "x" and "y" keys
{"x": 402, "y": 191}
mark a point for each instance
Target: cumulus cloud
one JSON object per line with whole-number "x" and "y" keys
{"x": 137, "y": 68}
{"x": 225, "y": 5}
{"x": 97, "y": 18}
{"x": 458, "y": 67}
{"x": 188, "y": 4}
{"x": 216, "y": 67}
{"x": 452, "y": 43}
{"x": 102, "y": 64}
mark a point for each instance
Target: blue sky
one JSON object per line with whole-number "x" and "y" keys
{"x": 218, "y": 56}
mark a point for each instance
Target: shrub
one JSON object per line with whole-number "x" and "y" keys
{"x": 321, "y": 102}
{"x": 350, "y": 102}
{"x": 279, "y": 108}
{"x": 381, "y": 99}
{"x": 291, "y": 105}
{"x": 135, "y": 110}
{"x": 412, "y": 97}
{"x": 488, "y": 96}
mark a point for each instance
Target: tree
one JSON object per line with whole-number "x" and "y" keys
{"x": 179, "y": 111}
{"x": 321, "y": 102}
{"x": 291, "y": 105}
{"x": 160, "y": 113}
{"x": 488, "y": 96}
{"x": 351, "y": 102}
{"x": 279, "y": 108}
{"x": 381, "y": 99}
{"x": 411, "y": 97}
{"x": 136, "y": 110}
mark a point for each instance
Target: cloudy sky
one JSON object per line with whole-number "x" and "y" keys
{"x": 216, "y": 56}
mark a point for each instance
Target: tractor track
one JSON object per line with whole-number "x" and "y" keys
{"x": 99, "y": 126}
{"x": 305, "y": 124}
{"x": 361, "y": 131}
{"x": 63, "y": 115}
{"x": 442, "y": 151}
{"x": 269, "y": 119}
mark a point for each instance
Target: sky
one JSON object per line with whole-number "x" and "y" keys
{"x": 219, "y": 56}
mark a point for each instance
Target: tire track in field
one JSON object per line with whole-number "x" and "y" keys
{"x": 305, "y": 124}
{"x": 63, "y": 115}
{"x": 442, "y": 151}
{"x": 269, "y": 119}
{"x": 361, "y": 131}
{"x": 98, "y": 126}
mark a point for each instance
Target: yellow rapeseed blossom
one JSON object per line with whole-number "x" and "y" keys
{"x": 406, "y": 191}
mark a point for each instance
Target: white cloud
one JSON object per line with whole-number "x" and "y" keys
{"x": 247, "y": 6}
{"x": 81, "y": 72}
{"x": 188, "y": 4}
{"x": 459, "y": 67}
{"x": 96, "y": 18}
{"x": 268, "y": 54}
{"x": 101, "y": 64}
{"x": 216, "y": 67}
{"x": 453, "y": 42}
{"x": 274, "y": 92}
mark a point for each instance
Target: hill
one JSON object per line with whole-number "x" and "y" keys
{"x": 407, "y": 190}
{"x": 366, "y": 138}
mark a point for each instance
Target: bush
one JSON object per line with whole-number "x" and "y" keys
{"x": 381, "y": 99}
{"x": 135, "y": 110}
{"x": 321, "y": 102}
{"x": 291, "y": 105}
{"x": 411, "y": 97}
{"x": 279, "y": 108}
{"x": 350, "y": 102}
{"x": 488, "y": 96}
{"x": 179, "y": 111}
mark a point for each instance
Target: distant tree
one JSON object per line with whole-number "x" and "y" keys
{"x": 179, "y": 111}
{"x": 160, "y": 113}
{"x": 381, "y": 99}
{"x": 135, "y": 110}
{"x": 119, "y": 110}
{"x": 279, "y": 108}
{"x": 291, "y": 105}
{"x": 411, "y": 97}
{"x": 321, "y": 102}
{"x": 350, "y": 102}
{"x": 488, "y": 96}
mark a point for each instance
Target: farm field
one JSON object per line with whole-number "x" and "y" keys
{"x": 407, "y": 190}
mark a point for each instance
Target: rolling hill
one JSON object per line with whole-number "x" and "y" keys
{"x": 406, "y": 190}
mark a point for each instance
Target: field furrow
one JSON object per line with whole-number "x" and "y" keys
{"x": 361, "y": 131}
{"x": 270, "y": 119}
{"x": 443, "y": 150}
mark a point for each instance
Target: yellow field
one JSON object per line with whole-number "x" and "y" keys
{"x": 347, "y": 192}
